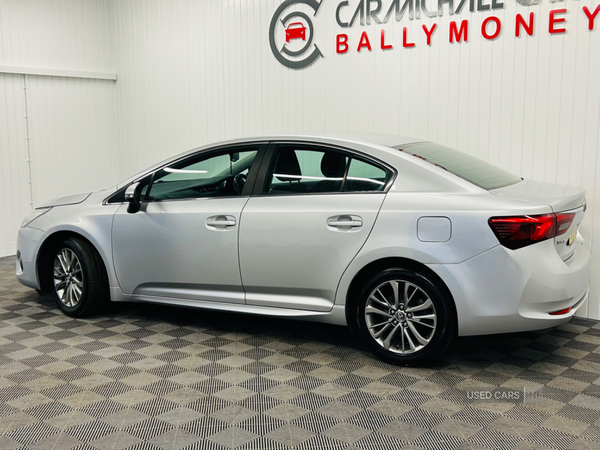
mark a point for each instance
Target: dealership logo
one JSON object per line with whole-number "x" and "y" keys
{"x": 365, "y": 26}
{"x": 291, "y": 35}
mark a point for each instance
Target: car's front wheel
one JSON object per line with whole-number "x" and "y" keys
{"x": 405, "y": 317}
{"x": 79, "y": 278}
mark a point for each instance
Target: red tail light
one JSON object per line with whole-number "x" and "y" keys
{"x": 561, "y": 312}
{"x": 563, "y": 222}
{"x": 521, "y": 231}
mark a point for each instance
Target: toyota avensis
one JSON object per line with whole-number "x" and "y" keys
{"x": 410, "y": 243}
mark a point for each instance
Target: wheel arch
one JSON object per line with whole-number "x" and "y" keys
{"x": 45, "y": 254}
{"x": 361, "y": 277}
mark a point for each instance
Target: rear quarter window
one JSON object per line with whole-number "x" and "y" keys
{"x": 467, "y": 167}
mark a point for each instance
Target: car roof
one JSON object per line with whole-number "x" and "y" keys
{"x": 386, "y": 140}
{"x": 368, "y": 139}
{"x": 377, "y": 141}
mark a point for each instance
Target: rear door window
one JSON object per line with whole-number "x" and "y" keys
{"x": 304, "y": 170}
{"x": 364, "y": 176}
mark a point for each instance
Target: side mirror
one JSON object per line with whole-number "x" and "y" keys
{"x": 132, "y": 195}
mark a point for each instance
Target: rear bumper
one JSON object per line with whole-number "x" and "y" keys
{"x": 504, "y": 291}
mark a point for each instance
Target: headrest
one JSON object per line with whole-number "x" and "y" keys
{"x": 333, "y": 165}
{"x": 287, "y": 164}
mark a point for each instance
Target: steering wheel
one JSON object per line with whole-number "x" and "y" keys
{"x": 238, "y": 183}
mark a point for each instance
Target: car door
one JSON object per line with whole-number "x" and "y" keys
{"x": 314, "y": 209}
{"x": 183, "y": 242}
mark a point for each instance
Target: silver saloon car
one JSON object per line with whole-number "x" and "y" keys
{"x": 409, "y": 243}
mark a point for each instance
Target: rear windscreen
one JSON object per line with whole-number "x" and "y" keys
{"x": 467, "y": 167}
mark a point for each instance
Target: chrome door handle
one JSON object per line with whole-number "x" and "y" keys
{"x": 220, "y": 222}
{"x": 345, "y": 222}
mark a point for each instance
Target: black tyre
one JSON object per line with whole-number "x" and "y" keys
{"x": 78, "y": 278}
{"x": 405, "y": 317}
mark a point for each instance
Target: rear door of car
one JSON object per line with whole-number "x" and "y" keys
{"x": 312, "y": 210}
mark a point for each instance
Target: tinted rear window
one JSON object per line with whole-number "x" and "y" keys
{"x": 467, "y": 167}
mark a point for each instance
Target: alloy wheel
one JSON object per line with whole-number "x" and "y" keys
{"x": 68, "y": 277}
{"x": 400, "y": 316}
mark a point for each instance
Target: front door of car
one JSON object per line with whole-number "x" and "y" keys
{"x": 314, "y": 212}
{"x": 183, "y": 242}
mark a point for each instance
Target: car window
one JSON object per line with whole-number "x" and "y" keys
{"x": 317, "y": 170}
{"x": 215, "y": 175}
{"x": 364, "y": 176}
{"x": 298, "y": 170}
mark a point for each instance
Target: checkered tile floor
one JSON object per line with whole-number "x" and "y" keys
{"x": 154, "y": 377}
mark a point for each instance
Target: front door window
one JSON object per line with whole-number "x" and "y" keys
{"x": 216, "y": 175}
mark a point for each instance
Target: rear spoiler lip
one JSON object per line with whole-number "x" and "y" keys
{"x": 560, "y": 198}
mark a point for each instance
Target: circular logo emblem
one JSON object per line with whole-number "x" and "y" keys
{"x": 291, "y": 35}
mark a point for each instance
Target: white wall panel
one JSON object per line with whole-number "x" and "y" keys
{"x": 192, "y": 72}
{"x": 73, "y": 136}
{"x": 71, "y": 122}
{"x": 14, "y": 173}
{"x": 57, "y": 34}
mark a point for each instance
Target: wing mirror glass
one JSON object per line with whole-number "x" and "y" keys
{"x": 132, "y": 196}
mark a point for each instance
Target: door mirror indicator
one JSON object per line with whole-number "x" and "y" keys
{"x": 132, "y": 196}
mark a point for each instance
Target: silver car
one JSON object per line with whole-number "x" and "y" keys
{"x": 409, "y": 243}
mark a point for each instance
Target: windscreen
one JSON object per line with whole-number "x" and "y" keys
{"x": 467, "y": 167}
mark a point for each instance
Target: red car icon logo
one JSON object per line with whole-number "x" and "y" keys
{"x": 295, "y": 30}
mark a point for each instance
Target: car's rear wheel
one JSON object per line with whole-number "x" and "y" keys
{"x": 405, "y": 317}
{"x": 78, "y": 278}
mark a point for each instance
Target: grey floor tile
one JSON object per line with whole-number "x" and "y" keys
{"x": 233, "y": 437}
{"x": 58, "y": 441}
{"x": 347, "y": 432}
{"x": 124, "y": 418}
{"x": 233, "y": 414}
{"x": 402, "y": 430}
{"x": 115, "y": 441}
{"x": 457, "y": 428}
{"x": 180, "y": 416}
{"x": 287, "y": 411}
{"x": 290, "y": 435}
{"x": 339, "y": 410}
